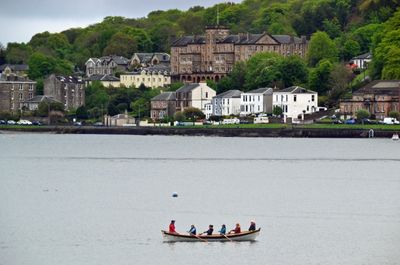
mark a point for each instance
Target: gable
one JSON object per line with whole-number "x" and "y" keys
{"x": 266, "y": 39}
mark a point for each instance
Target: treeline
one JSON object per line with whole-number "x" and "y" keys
{"x": 354, "y": 26}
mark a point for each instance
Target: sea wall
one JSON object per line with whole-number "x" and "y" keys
{"x": 219, "y": 132}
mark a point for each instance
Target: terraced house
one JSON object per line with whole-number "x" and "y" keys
{"x": 212, "y": 56}
{"x": 107, "y": 65}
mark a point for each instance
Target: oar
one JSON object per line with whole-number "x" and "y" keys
{"x": 227, "y": 238}
{"x": 202, "y": 239}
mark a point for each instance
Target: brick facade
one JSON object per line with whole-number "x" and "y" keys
{"x": 378, "y": 97}
{"x": 198, "y": 58}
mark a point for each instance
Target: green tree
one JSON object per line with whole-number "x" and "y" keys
{"x": 319, "y": 78}
{"x": 18, "y": 53}
{"x": 193, "y": 114}
{"x": 121, "y": 44}
{"x": 362, "y": 114}
{"x": 277, "y": 111}
{"x": 179, "y": 116}
{"x": 293, "y": 71}
{"x": 82, "y": 113}
{"x": 394, "y": 114}
{"x": 321, "y": 47}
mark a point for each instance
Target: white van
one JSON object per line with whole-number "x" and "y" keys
{"x": 390, "y": 121}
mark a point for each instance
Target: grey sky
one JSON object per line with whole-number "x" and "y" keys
{"x": 21, "y": 19}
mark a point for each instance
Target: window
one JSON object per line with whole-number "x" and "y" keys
{"x": 31, "y": 87}
{"x": 20, "y": 87}
{"x": 258, "y": 107}
{"x": 308, "y": 108}
{"x": 206, "y": 94}
{"x": 282, "y": 98}
{"x": 286, "y": 98}
{"x": 259, "y": 99}
{"x": 30, "y": 95}
{"x": 21, "y": 96}
{"x": 276, "y": 97}
{"x": 313, "y": 98}
{"x": 295, "y": 98}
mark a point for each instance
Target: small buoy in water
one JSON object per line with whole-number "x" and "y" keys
{"x": 174, "y": 194}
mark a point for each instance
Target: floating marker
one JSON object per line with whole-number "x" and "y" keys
{"x": 174, "y": 194}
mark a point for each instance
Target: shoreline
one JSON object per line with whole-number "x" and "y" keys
{"x": 290, "y": 132}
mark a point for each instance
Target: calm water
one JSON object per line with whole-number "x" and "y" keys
{"x": 79, "y": 199}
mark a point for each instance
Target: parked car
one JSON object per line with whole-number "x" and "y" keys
{"x": 24, "y": 122}
{"x": 37, "y": 123}
{"x": 11, "y": 122}
{"x": 3, "y": 122}
{"x": 390, "y": 121}
{"x": 77, "y": 123}
{"x": 231, "y": 121}
{"x": 350, "y": 121}
{"x": 322, "y": 109}
{"x": 98, "y": 124}
{"x": 368, "y": 121}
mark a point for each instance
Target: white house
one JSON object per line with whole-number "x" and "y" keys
{"x": 256, "y": 101}
{"x": 362, "y": 60}
{"x": 208, "y": 110}
{"x": 226, "y": 103}
{"x": 196, "y": 95}
{"x": 296, "y": 101}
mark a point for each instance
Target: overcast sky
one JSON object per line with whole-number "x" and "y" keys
{"x": 21, "y": 19}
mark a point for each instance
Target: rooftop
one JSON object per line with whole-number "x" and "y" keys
{"x": 263, "y": 90}
{"x": 296, "y": 90}
{"x": 165, "y": 96}
{"x": 230, "y": 94}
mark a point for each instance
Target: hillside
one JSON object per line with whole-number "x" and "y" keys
{"x": 355, "y": 26}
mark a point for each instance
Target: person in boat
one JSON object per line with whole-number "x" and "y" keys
{"x": 192, "y": 230}
{"x": 172, "y": 227}
{"x": 222, "y": 231}
{"x": 237, "y": 229}
{"x": 252, "y": 226}
{"x": 209, "y": 231}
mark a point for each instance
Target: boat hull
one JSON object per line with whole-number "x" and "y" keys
{"x": 244, "y": 236}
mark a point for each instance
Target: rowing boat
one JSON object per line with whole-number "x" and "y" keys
{"x": 243, "y": 236}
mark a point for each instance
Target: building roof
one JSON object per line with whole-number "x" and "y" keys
{"x": 108, "y": 78}
{"x": 42, "y": 98}
{"x": 230, "y": 94}
{"x": 239, "y": 39}
{"x": 69, "y": 79}
{"x": 15, "y": 67}
{"x": 296, "y": 90}
{"x": 119, "y": 60}
{"x": 381, "y": 87}
{"x": 188, "y": 87}
{"x": 263, "y": 90}
{"x": 165, "y": 96}
{"x": 15, "y": 78}
{"x": 364, "y": 56}
{"x": 162, "y": 57}
{"x": 144, "y": 57}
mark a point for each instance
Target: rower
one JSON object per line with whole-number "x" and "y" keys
{"x": 252, "y": 226}
{"x": 172, "y": 227}
{"x": 192, "y": 230}
{"x": 209, "y": 231}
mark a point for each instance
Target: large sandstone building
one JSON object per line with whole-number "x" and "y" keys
{"x": 198, "y": 58}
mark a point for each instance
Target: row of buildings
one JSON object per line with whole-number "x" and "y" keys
{"x": 294, "y": 101}
{"x": 18, "y": 92}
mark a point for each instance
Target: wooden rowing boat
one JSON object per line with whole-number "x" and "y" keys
{"x": 243, "y": 236}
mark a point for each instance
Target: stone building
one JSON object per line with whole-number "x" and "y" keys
{"x": 14, "y": 90}
{"x": 14, "y": 69}
{"x": 68, "y": 90}
{"x": 163, "y": 105}
{"x": 155, "y": 76}
{"x": 139, "y": 60}
{"x": 198, "y": 58}
{"x": 107, "y": 65}
{"x": 378, "y": 97}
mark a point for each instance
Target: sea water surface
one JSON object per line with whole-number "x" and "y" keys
{"x": 103, "y": 199}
